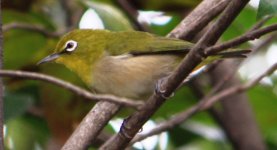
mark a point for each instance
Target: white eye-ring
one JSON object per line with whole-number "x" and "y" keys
{"x": 71, "y": 45}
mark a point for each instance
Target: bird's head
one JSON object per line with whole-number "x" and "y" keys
{"x": 78, "y": 50}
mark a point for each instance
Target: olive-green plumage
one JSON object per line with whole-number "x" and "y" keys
{"x": 126, "y": 64}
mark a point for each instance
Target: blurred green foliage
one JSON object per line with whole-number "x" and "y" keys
{"x": 26, "y": 132}
{"x": 267, "y": 7}
{"x": 61, "y": 110}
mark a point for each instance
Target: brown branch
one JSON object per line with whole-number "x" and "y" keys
{"x": 237, "y": 89}
{"x": 242, "y": 39}
{"x": 196, "y": 21}
{"x": 91, "y": 126}
{"x": 31, "y": 27}
{"x": 134, "y": 122}
{"x": 75, "y": 89}
{"x": 95, "y": 120}
{"x": 204, "y": 104}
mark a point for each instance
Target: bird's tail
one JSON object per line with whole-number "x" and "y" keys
{"x": 230, "y": 53}
{"x": 233, "y": 53}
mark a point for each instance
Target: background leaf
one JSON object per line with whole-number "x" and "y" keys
{"x": 111, "y": 16}
{"x": 267, "y": 7}
{"x": 16, "y": 104}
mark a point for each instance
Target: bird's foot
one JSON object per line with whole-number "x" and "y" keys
{"x": 159, "y": 89}
{"x": 123, "y": 129}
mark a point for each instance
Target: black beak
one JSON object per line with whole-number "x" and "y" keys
{"x": 49, "y": 58}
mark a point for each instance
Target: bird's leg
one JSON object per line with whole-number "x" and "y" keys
{"x": 159, "y": 88}
{"x": 125, "y": 127}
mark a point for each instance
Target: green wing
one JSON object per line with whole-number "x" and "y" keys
{"x": 142, "y": 43}
{"x": 137, "y": 43}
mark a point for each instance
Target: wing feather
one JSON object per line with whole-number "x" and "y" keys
{"x": 142, "y": 43}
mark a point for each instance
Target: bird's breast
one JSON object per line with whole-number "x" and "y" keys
{"x": 132, "y": 77}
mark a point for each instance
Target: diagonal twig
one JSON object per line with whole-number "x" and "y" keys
{"x": 75, "y": 89}
{"x": 31, "y": 27}
{"x": 196, "y": 21}
{"x": 244, "y": 38}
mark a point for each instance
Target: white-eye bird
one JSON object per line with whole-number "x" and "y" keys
{"x": 127, "y": 63}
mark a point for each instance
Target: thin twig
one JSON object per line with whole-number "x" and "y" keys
{"x": 255, "y": 49}
{"x": 237, "y": 89}
{"x": 242, "y": 39}
{"x": 204, "y": 104}
{"x": 31, "y": 27}
{"x": 196, "y": 21}
{"x": 75, "y": 89}
{"x": 204, "y": 70}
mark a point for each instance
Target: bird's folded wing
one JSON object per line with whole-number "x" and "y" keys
{"x": 142, "y": 43}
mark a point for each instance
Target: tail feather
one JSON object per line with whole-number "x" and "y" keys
{"x": 233, "y": 53}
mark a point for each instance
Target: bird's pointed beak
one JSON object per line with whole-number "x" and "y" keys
{"x": 49, "y": 58}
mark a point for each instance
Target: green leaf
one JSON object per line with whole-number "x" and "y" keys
{"x": 24, "y": 42}
{"x": 267, "y": 7}
{"x": 16, "y": 104}
{"x": 21, "y": 46}
{"x": 111, "y": 16}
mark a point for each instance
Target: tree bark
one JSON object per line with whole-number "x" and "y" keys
{"x": 91, "y": 126}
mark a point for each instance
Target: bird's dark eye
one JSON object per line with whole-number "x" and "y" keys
{"x": 70, "y": 45}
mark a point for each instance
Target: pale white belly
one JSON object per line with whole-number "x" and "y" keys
{"x": 132, "y": 77}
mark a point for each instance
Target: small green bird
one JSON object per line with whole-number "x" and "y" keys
{"x": 126, "y": 64}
